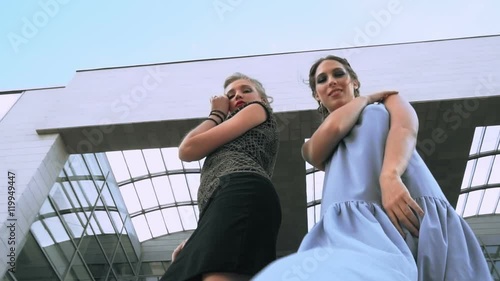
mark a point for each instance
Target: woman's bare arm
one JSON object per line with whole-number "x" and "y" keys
{"x": 207, "y": 137}
{"x": 400, "y": 144}
{"x": 335, "y": 127}
{"x": 338, "y": 123}
{"x": 402, "y": 136}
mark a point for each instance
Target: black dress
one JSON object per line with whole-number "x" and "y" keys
{"x": 240, "y": 213}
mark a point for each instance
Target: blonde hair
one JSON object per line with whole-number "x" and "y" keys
{"x": 258, "y": 86}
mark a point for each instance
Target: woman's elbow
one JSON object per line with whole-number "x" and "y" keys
{"x": 186, "y": 153}
{"x": 307, "y": 155}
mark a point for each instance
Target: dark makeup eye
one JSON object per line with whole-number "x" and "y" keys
{"x": 337, "y": 73}
{"x": 320, "y": 79}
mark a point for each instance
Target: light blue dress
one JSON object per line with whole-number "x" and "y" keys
{"x": 355, "y": 240}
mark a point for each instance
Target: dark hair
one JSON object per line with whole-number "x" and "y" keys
{"x": 258, "y": 86}
{"x": 312, "y": 79}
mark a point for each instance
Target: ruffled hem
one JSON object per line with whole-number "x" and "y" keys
{"x": 447, "y": 248}
{"x": 354, "y": 240}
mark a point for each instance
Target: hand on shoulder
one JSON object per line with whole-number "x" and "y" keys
{"x": 380, "y": 96}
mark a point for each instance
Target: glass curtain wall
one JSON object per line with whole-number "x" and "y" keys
{"x": 83, "y": 230}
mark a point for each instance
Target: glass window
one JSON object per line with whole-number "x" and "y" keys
{"x": 94, "y": 227}
{"x": 159, "y": 181}
{"x": 490, "y": 201}
{"x": 163, "y": 190}
{"x": 490, "y": 139}
{"x": 482, "y": 171}
{"x": 188, "y": 217}
{"x": 472, "y": 204}
{"x": 468, "y": 173}
{"x": 172, "y": 218}
{"x": 89, "y": 189}
{"x": 73, "y": 223}
{"x": 46, "y": 208}
{"x": 156, "y": 223}
{"x": 32, "y": 264}
{"x": 70, "y": 194}
{"x": 59, "y": 261}
{"x": 131, "y": 199}
{"x": 317, "y": 212}
{"x": 193, "y": 181}
{"x": 154, "y": 160}
{"x": 93, "y": 165}
{"x": 310, "y": 217}
{"x": 83, "y": 202}
{"x": 135, "y": 162}
{"x": 171, "y": 158}
{"x": 179, "y": 186}
{"x": 461, "y": 203}
{"x": 142, "y": 228}
{"x": 476, "y": 140}
{"x": 318, "y": 184}
{"x": 495, "y": 171}
{"x": 41, "y": 234}
{"x": 103, "y": 163}
{"x": 59, "y": 197}
{"x": 310, "y": 188}
{"x": 106, "y": 196}
{"x": 195, "y": 165}
{"x": 56, "y": 229}
{"x": 121, "y": 265}
{"x": 129, "y": 250}
{"x": 77, "y": 165}
{"x": 146, "y": 193}
{"x": 118, "y": 166}
{"x": 94, "y": 257}
{"x": 117, "y": 220}
{"x": 78, "y": 271}
{"x": 84, "y": 218}
{"x": 104, "y": 222}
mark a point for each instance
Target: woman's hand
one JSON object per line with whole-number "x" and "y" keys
{"x": 380, "y": 96}
{"x": 177, "y": 250}
{"x": 220, "y": 103}
{"x": 399, "y": 206}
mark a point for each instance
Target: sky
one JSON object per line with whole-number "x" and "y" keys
{"x": 43, "y": 42}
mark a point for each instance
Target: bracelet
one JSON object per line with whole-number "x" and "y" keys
{"x": 218, "y": 111}
{"x": 208, "y": 118}
{"x": 215, "y": 114}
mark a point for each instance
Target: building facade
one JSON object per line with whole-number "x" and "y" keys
{"x": 92, "y": 188}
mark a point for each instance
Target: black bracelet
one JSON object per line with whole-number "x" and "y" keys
{"x": 208, "y": 118}
{"x": 216, "y": 114}
{"x": 218, "y": 111}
